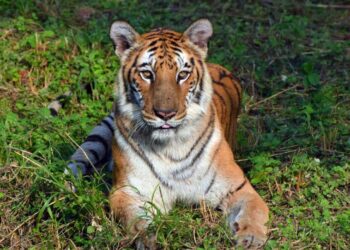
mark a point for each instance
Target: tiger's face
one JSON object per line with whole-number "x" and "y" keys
{"x": 163, "y": 81}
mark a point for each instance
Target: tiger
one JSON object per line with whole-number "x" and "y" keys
{"x": 171, "y": 135}
{"x": 175, "y": 123}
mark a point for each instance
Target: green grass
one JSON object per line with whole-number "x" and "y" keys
{"x": 294, "y": 142}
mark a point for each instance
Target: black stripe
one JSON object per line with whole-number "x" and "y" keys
{"x": 135, "y": 61}
{"x": 199, "y": 153}
{"x": 231, "y": 102}
{"x": 97, "y": 138}
{"x": 200, "y": 90}
{"x": 129, "y": 77}
{"x": 212, "y": 159}
{"x": 107, "y": 157}
{"x": 152, "y": 43}
{"x": 239, "y": 95}
{"x": 129, "y": 71}
{"x": 111, "y": 129}
{"x": 62, "y": 98}
{"x": 236, "y": 88}
{"x": 194, "y": 160}
{"x": 95, "y": 154}
{"x": 143, "y": 64}
{"x": 152, "y": 49}
{"x": 172, "y": 38}
{"x": 198, "y": 97}
{"x": 241, "y": 186}
{"x": 116, "y": 110}
{"x": 175, "y": 43}
{"x": 53, "y": 112}
{"x": 176, "y": 49}
{"x": 125, "y": 84}
{"x": 222, "y": 74}
{"x": 209, "y": 124}
{"x": 133, "y": 87}
{"x": 192, "y": 61}
{"x": 225, "y": 88}
{"x": 140, "y": 153}
{"x": 231, "y": 192}
{"x": 223, "y": 104}
{"x": 211, "y": 183}
{"x": 201, "y": 84}
{"x": 151, "y": 36}
{"x": 200, "y": 61}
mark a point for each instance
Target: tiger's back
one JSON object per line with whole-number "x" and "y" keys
{"x": 227, "y": 99}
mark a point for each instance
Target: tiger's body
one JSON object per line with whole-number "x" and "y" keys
{"x": 175, "y": 123}
{"x": 188, "y": 158}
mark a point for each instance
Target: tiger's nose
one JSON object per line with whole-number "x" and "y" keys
{"x": 165, "y": 114}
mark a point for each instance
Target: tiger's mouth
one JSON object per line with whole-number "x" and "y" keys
{"x": 159, "y": 124}
{"x": 166, "y": 126}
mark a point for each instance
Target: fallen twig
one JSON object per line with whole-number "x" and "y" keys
{"x": 277, "y": 154}
{"x": 248, "y": 107}
{"x": 328, "y": 6}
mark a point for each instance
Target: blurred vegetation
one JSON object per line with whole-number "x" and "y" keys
{"x": 293, "y": 59}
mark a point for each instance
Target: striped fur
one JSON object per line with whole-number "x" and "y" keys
{"x": 175, "y": 124}
{"x": 95, "y": 152}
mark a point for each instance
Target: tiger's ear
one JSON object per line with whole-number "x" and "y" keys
{"x": 199, "y": 33}
{"x": 123, "y": 36}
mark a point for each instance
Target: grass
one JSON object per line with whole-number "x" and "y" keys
{"x": 294, "y": 142}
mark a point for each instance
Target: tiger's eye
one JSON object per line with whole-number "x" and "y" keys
{"x": 183, "y": 75}
{"x": 146, "y": 74}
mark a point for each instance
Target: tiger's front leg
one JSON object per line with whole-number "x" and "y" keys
{"x": 129, "y": 208}
{"x": 247, "y": 214}
{"x": 246, "y": 211}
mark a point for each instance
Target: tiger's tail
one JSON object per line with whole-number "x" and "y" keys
{"x": 96, "y": 151}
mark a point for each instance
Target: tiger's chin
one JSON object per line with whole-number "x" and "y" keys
{"x": 163, "y": 135}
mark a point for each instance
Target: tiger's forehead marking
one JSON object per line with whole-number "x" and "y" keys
{"x": 164, "y": 47}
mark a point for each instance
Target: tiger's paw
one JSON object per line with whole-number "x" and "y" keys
{"x": 249, "y": 236}
{"x": 250, "y": 241}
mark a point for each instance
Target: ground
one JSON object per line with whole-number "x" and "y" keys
{"x": 293, "y": 59}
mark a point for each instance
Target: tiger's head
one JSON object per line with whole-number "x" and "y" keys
{"x": 163, "y": 82}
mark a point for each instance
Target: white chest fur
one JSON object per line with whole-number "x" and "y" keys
{"x": 182, "y": 171}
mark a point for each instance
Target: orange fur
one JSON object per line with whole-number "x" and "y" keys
{"x": 227, "y": 99}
